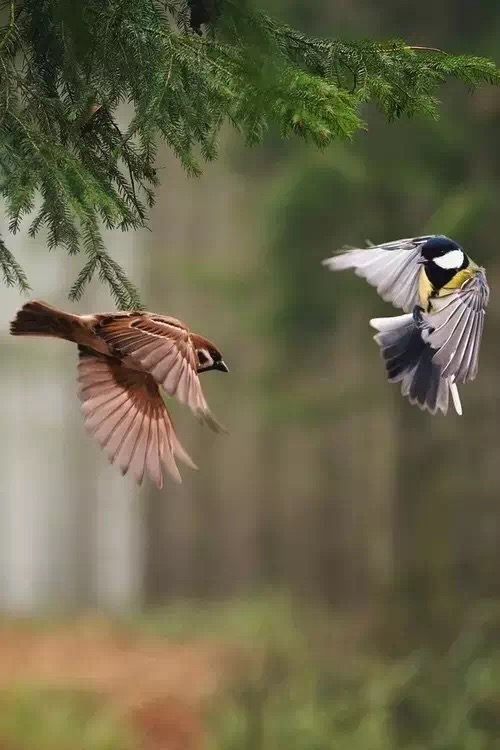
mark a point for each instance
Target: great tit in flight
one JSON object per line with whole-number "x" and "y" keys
{"x": 444, "y": 294}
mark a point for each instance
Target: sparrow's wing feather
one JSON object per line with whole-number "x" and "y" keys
{"x": 456, "y": 324}
{"x": 164, "y": 348}
{"x": 124, "y": 411}
{"x": 391, "y": 267}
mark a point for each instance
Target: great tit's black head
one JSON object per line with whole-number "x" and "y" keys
{"x": 444, "y": 253}
{"x": 210, "y": 358}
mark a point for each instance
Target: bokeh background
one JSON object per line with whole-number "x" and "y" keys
{"x": 329, "y": 578}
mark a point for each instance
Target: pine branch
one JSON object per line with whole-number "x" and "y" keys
{"x": 13, "y": 274}
{"x": 109, "y": 272}
{"x": 185, "y": 67}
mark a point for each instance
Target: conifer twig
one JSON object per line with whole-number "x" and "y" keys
{"x": 425, "y": 49}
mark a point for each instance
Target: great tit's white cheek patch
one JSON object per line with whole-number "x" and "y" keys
{"x": 452, "y": 259}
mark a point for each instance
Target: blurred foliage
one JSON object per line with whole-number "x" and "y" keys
{"x": 309, "y": 700}
{"x": 310, "y": 680}
{"x": 44, "y": 717}
{"x": 270, "y": 620}
{"x": 311, "y": 200}
{"x": 66, "y": 71}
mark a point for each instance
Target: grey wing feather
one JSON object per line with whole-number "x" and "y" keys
{"x": 456, "y": 323}
{"x": 391, "y": 267}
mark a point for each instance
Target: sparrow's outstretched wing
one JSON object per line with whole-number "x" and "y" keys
{"x": 456, "y": 327}
{"x": 124, "y": 411}
{"x": 164, "y": 348}
{"x": 391, "y": 267}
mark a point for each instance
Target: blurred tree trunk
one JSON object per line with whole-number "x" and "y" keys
{"x": 202, "y": 536}
{"x": 424, "y": 585}
{"x": 446, "y": 523}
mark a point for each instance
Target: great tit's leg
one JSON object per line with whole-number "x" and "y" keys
{"x": 417, "y": 316}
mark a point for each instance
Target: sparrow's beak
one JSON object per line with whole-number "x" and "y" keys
{"x": 221, "y": 366}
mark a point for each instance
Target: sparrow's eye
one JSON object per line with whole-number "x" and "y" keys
{"x": 202, "y": 358}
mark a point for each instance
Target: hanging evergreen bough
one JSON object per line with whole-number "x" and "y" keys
{"x": 185, "y": 67}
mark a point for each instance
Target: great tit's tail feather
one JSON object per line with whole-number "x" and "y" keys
{"x": 408, "y": 360}
{"x": 455, "y": 397}
{"x": 390, "y": 324}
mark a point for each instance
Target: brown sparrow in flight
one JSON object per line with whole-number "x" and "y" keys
{"x": 125, "y": 358}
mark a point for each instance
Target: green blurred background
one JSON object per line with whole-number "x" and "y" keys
{"x": 340, "y": 548}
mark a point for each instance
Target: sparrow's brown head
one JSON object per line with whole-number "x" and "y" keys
{"x": 209, "y": 357}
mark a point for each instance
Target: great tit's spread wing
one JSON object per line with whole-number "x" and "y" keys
{"x": 391, "y": 267}
{"x": 456, "y": 326}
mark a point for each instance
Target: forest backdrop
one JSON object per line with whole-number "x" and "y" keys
{"x": 330, "y": 486}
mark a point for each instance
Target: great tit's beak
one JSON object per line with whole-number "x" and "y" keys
{"x": 421, "y": 261}
{"x": 221, "y": 366}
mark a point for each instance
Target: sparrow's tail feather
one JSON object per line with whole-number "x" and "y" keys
{"x": 408, "y": 360}
{"x": 37, "y": 318}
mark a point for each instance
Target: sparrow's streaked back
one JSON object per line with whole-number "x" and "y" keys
{"x": 125, "y": 358}
{"x": 444, "y": 293}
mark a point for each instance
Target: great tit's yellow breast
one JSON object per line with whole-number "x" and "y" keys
{"x": 458, "y": 280}
{"x": 425, "y": 288}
